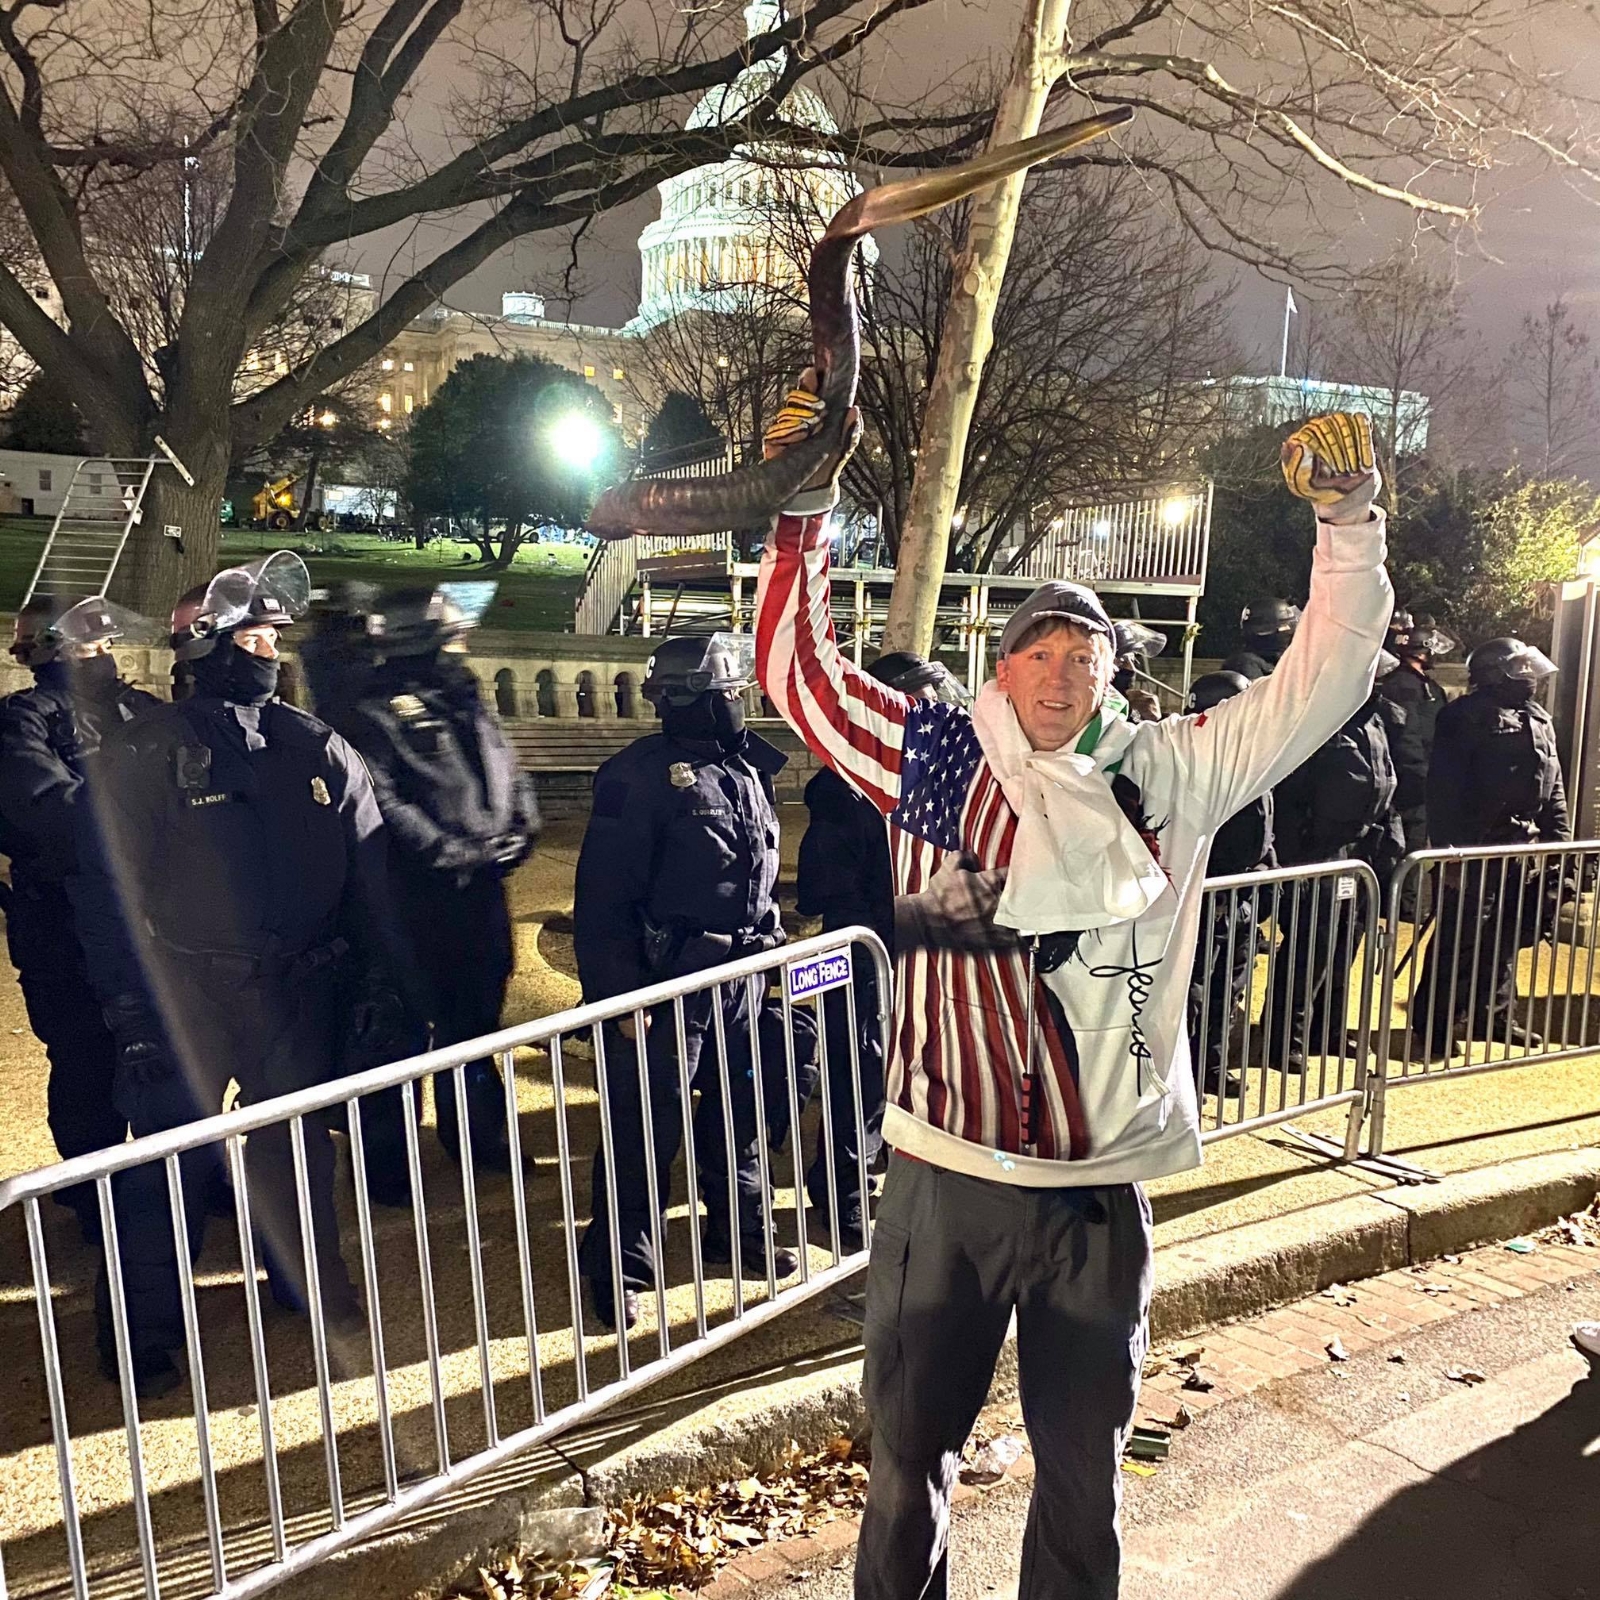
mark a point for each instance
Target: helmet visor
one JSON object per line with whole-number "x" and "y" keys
{"x": 273, "y": 590}
{"x": 728, "y": 665}
{"x": 1528, "y": 665}
{"x": 466, "y": 603}
{"x": 1134, "y": 639}
{"x": 95, "y": 620}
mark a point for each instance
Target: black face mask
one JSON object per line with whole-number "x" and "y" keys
{"x": 231, "y": 674}
{"x": 708, "y": 718}
{"x": 1122, "y": 679}
{"x": 95, "y": 677}
{"x": 1511, "y": 692}
{"x": 1271, "y": 646}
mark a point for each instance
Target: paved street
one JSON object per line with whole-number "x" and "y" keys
{"x": 1377, "y": 1477}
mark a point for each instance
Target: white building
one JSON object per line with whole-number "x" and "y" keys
{"x": 749, "y": 220}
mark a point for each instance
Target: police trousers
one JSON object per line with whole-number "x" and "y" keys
{"x": 1468, "y": 982}
{"x": 460, "y": 935}
{"x": 855, "y": 1146}
{"x": 272, "y": 1029}
{"x": 1217, "y": 992}
{"x": 952, "y": 1258}
{"x": 65, "y": 1018}
{"x": 714, "y": 1156}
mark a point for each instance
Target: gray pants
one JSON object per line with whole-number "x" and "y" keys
{"x": 952, "y": 1258}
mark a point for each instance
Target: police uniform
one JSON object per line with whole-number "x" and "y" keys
{"x": 1248, "y": 664}
{"x": 1494, "y": 778}
{"x": 1338, "y": 806}
{"x": 235, "y": 879}
{"x": 676, "y": 874}
{"x": 844, "y": 877}
{"x": 1244, "y": 843}
{"x": 48, "y": 736}
{"x": 1421, "y": 698}
{"x": 461, "y": 816}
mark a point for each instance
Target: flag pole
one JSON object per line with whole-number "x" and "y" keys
{"x": 1288, "y": 311}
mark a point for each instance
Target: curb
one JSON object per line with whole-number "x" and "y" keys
{"x": 745, "y": 1422}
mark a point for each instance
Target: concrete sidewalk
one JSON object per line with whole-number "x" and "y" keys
{"x": 1264, "y": 1221}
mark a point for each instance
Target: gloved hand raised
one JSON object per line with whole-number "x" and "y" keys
{"x": 1330, "y": 462}
{"x": 801, "y": 415}
{"x": 955, "y": 911}
{"x": 143, "y": 1057}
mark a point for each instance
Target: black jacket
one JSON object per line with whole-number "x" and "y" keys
{"x": 1339, "y": 804}
{"x": 1495, "y": 777}
{"x": 1411, "y": 743}
{"x": 1245, "y": 841}
{"x": 682, "y": 842}
{"x": 1248, "y": 665}
{"x": 844, "y": 875}
{"x": 259, "y": 838}
{"x": 448, "y": 784}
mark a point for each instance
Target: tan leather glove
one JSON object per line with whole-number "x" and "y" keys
{"x": 955, "y": 911}
{"x": 800, "y": 416}
{"x": 1330, "y": 462}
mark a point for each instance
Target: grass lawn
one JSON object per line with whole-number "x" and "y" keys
{"x": 537, "y": 594}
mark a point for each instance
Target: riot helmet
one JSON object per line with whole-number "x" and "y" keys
{"x": 422, "y": 621}
{"x": 685, "y": 668}
{"x": 1215, "y": 687}
{"x": 1508, "y": 661}
{"x": 1400, "y": 627}
{"x": 51, "y": 628}
{"x": 272, "y": 592}
{"x": 1268, "y": 625}
{"x": 1135, "y": 639}
{"x": 918, "y": 677}
{"x": 1423, "y": 641}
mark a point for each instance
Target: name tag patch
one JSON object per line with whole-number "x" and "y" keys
{"x": 807, "y": 978}
{"x": 198, "y": 800}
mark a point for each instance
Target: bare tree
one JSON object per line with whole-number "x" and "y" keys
{"x": 1403, "y": 336}
{"x": 1253, "y": 113}
{"x": 558, "y": 110}
{"x": 1554, "y": 376}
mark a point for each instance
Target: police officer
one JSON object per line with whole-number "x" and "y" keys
{"x": 1135, "y": 643}
{"x": 1417, "y": 643}
{"x": 1337, "y": 806}
{"x": 389, "y": 673}
{"x": 1266, "y": 627}
{"x": 1242, "y": 844}
{"x": 1494, "y": 779}
{"x": 844, "y": 877}
{"x": 232, "y": 881}
{"x": 676, "y": 875}
{"x": 48, "y": 735}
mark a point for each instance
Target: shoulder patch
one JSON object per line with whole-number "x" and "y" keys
{"x": 610, "y": 798}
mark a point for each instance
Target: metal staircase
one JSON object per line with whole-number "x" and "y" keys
{"x": 103, "y": 504}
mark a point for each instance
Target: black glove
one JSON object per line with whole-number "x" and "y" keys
{"x": 379, "y": 1028}
{"x": 955, "y": 911}
{"x": 143, "y": 1057}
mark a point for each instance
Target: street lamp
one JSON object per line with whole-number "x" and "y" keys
{"x": 577, "y": 440}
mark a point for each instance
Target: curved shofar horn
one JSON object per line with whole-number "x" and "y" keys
{"x": 755, "y": 494}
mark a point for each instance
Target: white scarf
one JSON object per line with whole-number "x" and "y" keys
{"x": 1077, "y": 862}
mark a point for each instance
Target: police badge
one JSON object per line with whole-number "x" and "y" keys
{"x": 319, "y": 792}
{"x": 681, "y": 775}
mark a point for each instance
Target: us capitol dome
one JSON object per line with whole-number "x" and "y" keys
{"x": 715, "y": 237}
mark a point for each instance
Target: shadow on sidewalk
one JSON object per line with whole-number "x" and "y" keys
{"x": 1518, "y": 1520}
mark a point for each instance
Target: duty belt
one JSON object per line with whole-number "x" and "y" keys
{"x": 271, "y": 962}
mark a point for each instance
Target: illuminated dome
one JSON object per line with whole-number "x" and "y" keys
{"x": 716, "y": 234}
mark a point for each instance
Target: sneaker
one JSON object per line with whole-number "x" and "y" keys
{"x": 1586, "y": 1340}
{"x": 605, "y": 1308}
{"x": 155, "y": 1373}
{"x": 716, "y": 1251}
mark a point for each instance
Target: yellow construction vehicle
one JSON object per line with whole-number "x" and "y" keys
{"x": 273, "y": 505}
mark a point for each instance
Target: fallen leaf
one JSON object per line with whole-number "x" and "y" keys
{"x": 1454, "y": 1261}
{"x": 1521, "y": 1247}
{"x": 1435, "y": 1288}
{"x": 1336, "y": 1350}
{"x": 1398, "y": 1358}
{"x": 1466, "y": 1375}
{"x": 1198, "y": 1382}
{"x": 1139, "y": 1469}
{"x": 1340, "y": 1295}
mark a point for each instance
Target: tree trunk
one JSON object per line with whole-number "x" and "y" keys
{"x": 155, "y": 567}
{"x": 966, "y": 337}
{"x": 303, "y": 520}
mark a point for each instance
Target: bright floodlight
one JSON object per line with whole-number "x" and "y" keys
{"x": 1174, "y": 511}
{"x": 577, "y": 440}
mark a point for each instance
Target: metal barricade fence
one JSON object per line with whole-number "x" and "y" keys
{"x": 1491, "y": 964}
{"x": 1281, "y": 996}
{"x": 535, "y": 1365}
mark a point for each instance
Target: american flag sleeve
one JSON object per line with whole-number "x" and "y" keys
{"x": 850, "y": 720}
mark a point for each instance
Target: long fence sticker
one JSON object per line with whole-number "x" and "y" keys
{"x": 807, "y": 978}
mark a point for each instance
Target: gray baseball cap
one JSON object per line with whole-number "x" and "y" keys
{"x": 1057, "y": 598}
